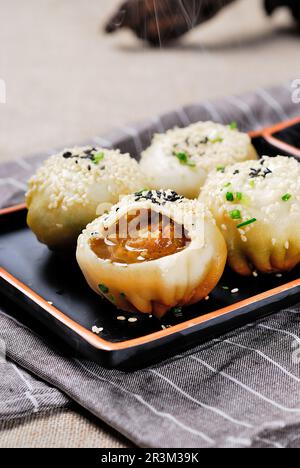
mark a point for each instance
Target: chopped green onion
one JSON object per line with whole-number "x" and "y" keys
{"x": 235, "y": 214}
{"x": 227, "y": 185}
{"x": 218, "y": 139}
{"x": 221, "y": 169}
{"x": 141, "y": 192}
{"x": 286, "y": 197}
{"x": 177, "y": 311}
{"x": 112, "y": 298}
{"x": 246, "y": 223}
{"x": 252, "y": 183}
{"x": 184, "y": 159}
{"x": 98, "y": 157}
{"x": 122, "y": 295}
{"x": 229, "y": 196}
{"x": 226, "y": 288}
{"x": 233, "y": 196}
{"x": 233, "y": 126}
{"x": 104, "y": 289}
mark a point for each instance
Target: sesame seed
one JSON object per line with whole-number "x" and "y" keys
{"x": 255, "y": 274}
{"x": 132, "y": 319}
{"x": 210, "y": 144}
{"x": 121, "y": 318}
{"x": 235, "y": 291}
{"x": 70, "y": 184}
{"x": 158, "y": 196}
{"x": 270, "y": 178}
{"x": 97, "y": 330}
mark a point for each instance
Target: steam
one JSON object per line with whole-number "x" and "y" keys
{"x": 157, "y": 23}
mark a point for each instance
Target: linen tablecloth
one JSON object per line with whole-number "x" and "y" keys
{"x": 240, "y": 390}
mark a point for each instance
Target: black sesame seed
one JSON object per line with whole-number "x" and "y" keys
{"x": 67, "y": 155}
{"x": 267, "y": 171}
{"x": 261, "y": 172}
{"x": 87, "y": 156}
{"x": 158, "y": 197}
{"x": 254, "y": 172}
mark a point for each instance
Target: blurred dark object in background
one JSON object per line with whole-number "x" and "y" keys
{"x": 293, "y": 5}
{"x": 160, "y": 22}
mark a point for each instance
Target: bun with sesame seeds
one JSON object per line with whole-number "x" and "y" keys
{"x": 257, "y": 207}
{"x": 182, "y": 158}
{"x": 73, "y": 187}
{"x": 152, "y": 252}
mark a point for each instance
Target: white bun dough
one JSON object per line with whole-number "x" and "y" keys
{"x": 182, "y": 158}
{"x": 257, "y": 207}
{"x": 73, "y": 187}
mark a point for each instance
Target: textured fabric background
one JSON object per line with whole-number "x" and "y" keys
{"x": 59, "y": 429}
{"x": 240, "y": 390}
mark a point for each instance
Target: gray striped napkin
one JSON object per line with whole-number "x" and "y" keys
{"x": 242, "y": 390}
